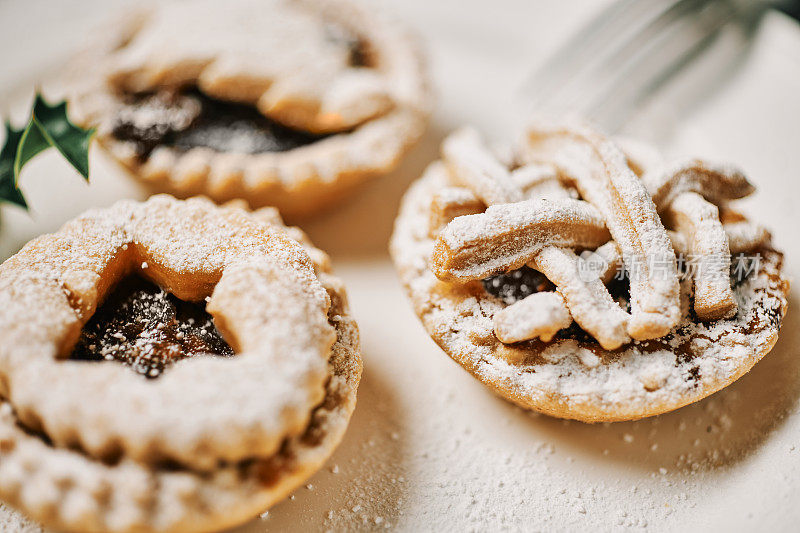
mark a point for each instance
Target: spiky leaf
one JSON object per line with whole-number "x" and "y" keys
{"x": 8, "y": 154}
{"x": 49, "y": 126}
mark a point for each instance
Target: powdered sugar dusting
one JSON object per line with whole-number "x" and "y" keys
{"x": 532, "y": 317}
{"x": 265, "y": 297}
{"x": 509, "y": 235}
{"x": 145, "y": 328}
{"x": 600, "y": 172}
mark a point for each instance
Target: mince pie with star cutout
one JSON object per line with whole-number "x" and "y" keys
{"x": 169, "y": 366}
{"x": 585, "y": 278}
{"x": 287, "y": 103}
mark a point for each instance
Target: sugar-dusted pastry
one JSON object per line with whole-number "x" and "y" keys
{"x": 287, "y": 103}
{"x": 584, "y": 277}
{"x": 169, "y": 366}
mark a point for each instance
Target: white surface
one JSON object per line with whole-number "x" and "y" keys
{"x": 429, "y": 448}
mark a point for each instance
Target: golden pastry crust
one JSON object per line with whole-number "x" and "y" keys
{"x": 572, "y": 376}
{"x": 186, "y": 478}
{"x": 363, "y": 140}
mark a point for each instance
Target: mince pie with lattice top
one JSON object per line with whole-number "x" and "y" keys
{"x": 585, "y": 278}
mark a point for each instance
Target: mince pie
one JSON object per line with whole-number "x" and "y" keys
{"x": 287, "y": 103}
{"x": 169, "y": 366}
{"x": 583, "y": 277}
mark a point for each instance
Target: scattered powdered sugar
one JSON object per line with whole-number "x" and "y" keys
{"x": 12, "y": 521}
{"x": 161, "y": 110}
{"x": 146, "y": 328}
{"x": 509, "y": 235}
{"x": 239, "y": 136}
{"x": 507, "y": 469}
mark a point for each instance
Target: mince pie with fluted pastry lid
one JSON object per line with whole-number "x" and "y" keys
{"x": 169, "y": 366}
{"x": 583, "y": 277}
{"x": 286, "y": 103}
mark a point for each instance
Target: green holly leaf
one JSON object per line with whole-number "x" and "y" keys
{"x": 49, "y": 126}
{"x": 53, "y": 126}
{"x": 31, "y": 143}
{"x": 8, "y": 154}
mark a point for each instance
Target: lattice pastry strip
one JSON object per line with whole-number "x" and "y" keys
{"x": 587, "y": 298}
{"x": 482, "y": 238}
{"x": 542, "y": 315}
{"x": 509, "y": 236}
{"x": 743, "y": 236}
{"x": 687, "y": 194}
{"x": 698, "y": 220}
{"x": 600, "y": 172}
{"x": 534, "y": 181}
{"x": 475, "y": 167}
{"x": 452, "y": 202}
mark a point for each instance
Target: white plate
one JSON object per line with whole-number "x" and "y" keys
{"x": 429, "y": 448}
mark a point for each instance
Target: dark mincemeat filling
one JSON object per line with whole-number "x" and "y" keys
{"x": 143, "y": 327}
{"x": 513, "y": 286}
{"x": 517, "y": 284}
{"x": 194, "y": 120}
